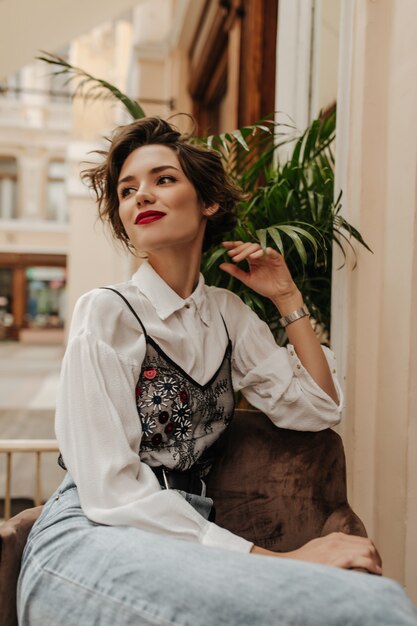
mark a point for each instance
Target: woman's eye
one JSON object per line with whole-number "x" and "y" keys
{"x": 126, "y": 191}
{"x": 166, "y": 179}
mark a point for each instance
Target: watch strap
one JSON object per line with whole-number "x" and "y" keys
{"x": 294, "y": 316}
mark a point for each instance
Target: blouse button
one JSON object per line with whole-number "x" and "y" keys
{"x": 187, "y": 306}
{"x": 298, "y": 367}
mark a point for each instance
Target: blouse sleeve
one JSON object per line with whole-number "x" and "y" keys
{"x": 273, "y": 379}
{"x": 99, "y": 435}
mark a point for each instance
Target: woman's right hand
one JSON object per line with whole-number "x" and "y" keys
{"x": 336, "y": 549}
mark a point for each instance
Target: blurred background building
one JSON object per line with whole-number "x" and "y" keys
{"x": 228, "y": 63}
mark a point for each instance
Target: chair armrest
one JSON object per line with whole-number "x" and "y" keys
{"x": 344, "y": 520}
{"x": 13, "y": 536}
{"x": 280, "y": 488}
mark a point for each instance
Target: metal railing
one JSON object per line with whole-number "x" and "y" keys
{"x": 33, "y": 446}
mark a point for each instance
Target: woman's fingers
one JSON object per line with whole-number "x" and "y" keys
{"x": 239, "y": 251}
{"x": 364, "y": 543}
{"x": 368, "y": 565}
{"x": 341, "y": 550}
{"x": 231, "y": 244}
{"x": 257, "y": 254}
{"x": 358, "y": 553}
{"x": 243, "y": 250}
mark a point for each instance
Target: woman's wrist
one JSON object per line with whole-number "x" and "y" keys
{"x": 289, "y": 302}
{"x": 263, "y": 551}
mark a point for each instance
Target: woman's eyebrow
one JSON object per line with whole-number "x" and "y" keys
{"x": 154, "y": 170}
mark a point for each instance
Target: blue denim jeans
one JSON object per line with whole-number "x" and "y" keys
{"x": 76, "y": 572}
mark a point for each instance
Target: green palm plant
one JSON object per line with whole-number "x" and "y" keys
{"x": 292, "y": 209}
{"x": 89, "y": 86}
{"x": 288, "y": 205}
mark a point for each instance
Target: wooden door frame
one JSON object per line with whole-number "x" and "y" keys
{"x": 257, "y": 59}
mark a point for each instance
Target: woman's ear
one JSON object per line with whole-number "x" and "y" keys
{"x": 208, "y": 211}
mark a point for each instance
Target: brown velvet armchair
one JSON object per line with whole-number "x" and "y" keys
{"x": 278, "y": 488}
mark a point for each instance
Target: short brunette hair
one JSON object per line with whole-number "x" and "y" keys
{"x": 203, "y": 168}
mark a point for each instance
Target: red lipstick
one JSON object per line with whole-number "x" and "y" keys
{"x": 146, "y": 217}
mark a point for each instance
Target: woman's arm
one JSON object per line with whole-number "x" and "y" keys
{"x": 336, "y": 549}
{"x": 99, "y": 431}
{"x": 269, "y": 276}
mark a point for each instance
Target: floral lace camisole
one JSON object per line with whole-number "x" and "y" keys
{"x": 180, "y": 419}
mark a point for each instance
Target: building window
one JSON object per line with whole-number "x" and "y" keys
{"x": 45, "y": 297}
{"x": 6, "y": 300}
{"x": 8, "y": 188}
{"x": 56, "y": 206}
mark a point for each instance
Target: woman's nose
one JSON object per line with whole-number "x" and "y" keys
{"x": 144, "y": 196}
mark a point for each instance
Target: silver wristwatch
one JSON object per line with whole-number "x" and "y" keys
{"x": 294, "y": 316}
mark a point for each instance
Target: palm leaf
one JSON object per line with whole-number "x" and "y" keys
{"x": 94, "y": 84}
{"x": 261, "y": 234}
{"x": 214, "y": 257}
{"x": 276, "y": 238}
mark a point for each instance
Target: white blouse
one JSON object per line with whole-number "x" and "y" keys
{"x": 97, "y": 424}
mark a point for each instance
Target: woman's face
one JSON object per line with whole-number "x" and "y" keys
{"x": 158, "y": 205}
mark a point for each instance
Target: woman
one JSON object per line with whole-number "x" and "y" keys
{"x": 146, "y": 389}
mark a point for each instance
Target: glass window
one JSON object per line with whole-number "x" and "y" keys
{"x": 46, "y": 303}
{"x": 56, "y": 205}
{"x": 6, "y": 300}
{"x": 8, "y": 188}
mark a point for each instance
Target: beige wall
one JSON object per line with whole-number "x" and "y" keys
{"x": 325, "y": 54}
{"x": 34, "y": 130}
{"x": 93, "y": 258}
{"x": 374, "y": 315}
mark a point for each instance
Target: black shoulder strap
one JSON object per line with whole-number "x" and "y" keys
{"x": 130, "y": 307}
{"x": 225, "y": 327}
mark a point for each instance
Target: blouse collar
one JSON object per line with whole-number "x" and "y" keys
{"x": 164, "y": 299}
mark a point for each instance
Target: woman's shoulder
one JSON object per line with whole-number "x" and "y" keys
{"x": 100, "y": 311}
{"x": 100, "y": 298}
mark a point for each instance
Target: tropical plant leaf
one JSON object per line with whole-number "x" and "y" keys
{"x": 310, "y": 139}
{"x": 276, "y": 237}
{"x": 214, "y": 257}
{"x": 261, "y": 234}
{"x": 341, "y": 222}
{"x": 84, "y": 79}
{"x": 296, "y": 239}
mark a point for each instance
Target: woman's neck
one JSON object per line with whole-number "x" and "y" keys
{"x": 179, "y": 268}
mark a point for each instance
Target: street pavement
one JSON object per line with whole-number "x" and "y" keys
{"x": 29, "y": 376}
